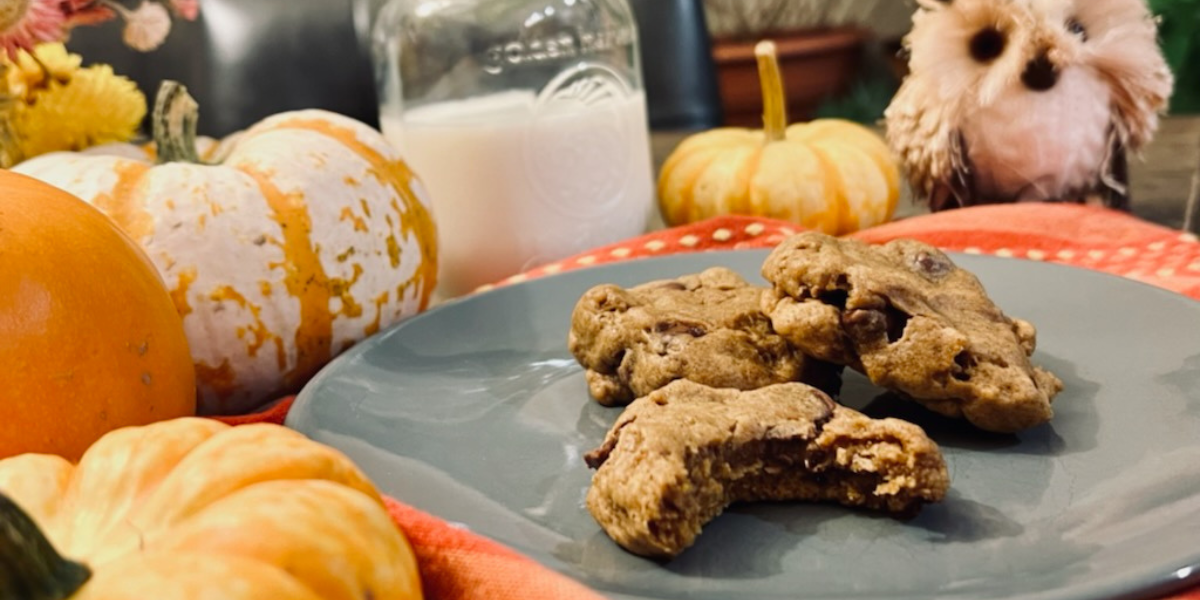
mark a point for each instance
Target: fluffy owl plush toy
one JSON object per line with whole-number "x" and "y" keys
{"x": 1027, "y": 100}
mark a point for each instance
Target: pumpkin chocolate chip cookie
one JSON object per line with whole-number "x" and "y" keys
{"x": 707, "y": 327}
{"x": 675, "y": 459}
{"x": 911, "y": 320}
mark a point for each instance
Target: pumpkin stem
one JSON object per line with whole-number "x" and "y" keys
{"x": 174, "y": 122}
{"x": 30, "y": 568}
{"x": 774, "y": 102}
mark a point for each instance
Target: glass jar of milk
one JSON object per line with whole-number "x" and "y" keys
{"x": 524, "y": 119}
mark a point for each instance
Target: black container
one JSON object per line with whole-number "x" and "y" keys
{"x": 677, "y": 65}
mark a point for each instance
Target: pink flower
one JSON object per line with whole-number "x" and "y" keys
{"x": 146, "y": 26}
{"x": 85, "y": 12}
{"x": 187, "y": 9}
{"x": 26, "y": 23}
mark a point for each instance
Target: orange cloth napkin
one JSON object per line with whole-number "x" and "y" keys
{"x": 1083, "y": 236}
{"x": 459, "y": 565}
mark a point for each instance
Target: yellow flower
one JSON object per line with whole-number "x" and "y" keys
{"x": 25, "y": 74}
{"x": 72, "y": 110}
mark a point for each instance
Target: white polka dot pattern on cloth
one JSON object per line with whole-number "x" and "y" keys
{"x": 722, "y": 233}
{"x": 1168, "y": 259}
{"x": 1085, "y": 237}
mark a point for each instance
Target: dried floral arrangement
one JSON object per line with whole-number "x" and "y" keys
{"x": 48, "y": 100}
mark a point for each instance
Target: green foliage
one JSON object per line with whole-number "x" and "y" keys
{"x": 1179, "y": 31}
{"x": 864, "y": 103}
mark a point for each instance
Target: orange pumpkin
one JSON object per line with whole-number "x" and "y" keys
{"x": 177, "y": 511}
{"x": 89, "y": 337}
{"x": 830, "y": 175}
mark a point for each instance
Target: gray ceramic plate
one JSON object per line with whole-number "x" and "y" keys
{"x": 476, "y": 412}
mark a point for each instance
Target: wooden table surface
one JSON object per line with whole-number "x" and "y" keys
{"x": 1162, "y": 178}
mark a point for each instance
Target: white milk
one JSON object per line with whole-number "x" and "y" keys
{"x": 515, "y": 185}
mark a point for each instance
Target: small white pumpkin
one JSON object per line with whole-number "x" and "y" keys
{"x": 306, "y": 234}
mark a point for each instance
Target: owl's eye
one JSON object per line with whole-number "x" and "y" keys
{"x": 1077, "y": 28}
{"x": 987, "y": 44}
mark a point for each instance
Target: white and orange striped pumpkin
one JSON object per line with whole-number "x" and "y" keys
{"x": 303, "y": 235}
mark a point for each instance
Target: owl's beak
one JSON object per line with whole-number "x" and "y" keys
{"x": 1040, "y": 73}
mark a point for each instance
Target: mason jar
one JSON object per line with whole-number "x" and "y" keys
{"x": 525, "y": 120}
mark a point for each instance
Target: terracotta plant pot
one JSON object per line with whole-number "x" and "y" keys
{"x": 816, "y": 64}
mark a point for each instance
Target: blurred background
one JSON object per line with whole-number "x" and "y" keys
{"x": 840, "y": 57}
{"x": 246, "y": 59}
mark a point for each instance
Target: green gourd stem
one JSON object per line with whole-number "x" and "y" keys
{"x": 30, "y": 568}
{"x": 774, "y": 102}
{"x": 174, "y": 123}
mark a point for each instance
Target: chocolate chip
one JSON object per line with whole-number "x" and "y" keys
{"x": 864, "y": 324}
{"x": 596, "y": 458}
{"x": 932, "y": 266}
{"x": 679, "y": 328}
{"x": 868, "y": 324}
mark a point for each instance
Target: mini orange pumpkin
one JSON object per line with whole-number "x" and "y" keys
{"x": 829, "y": 175}
{"x": 192, "y": 508}
{"x": 89, "y": 338}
